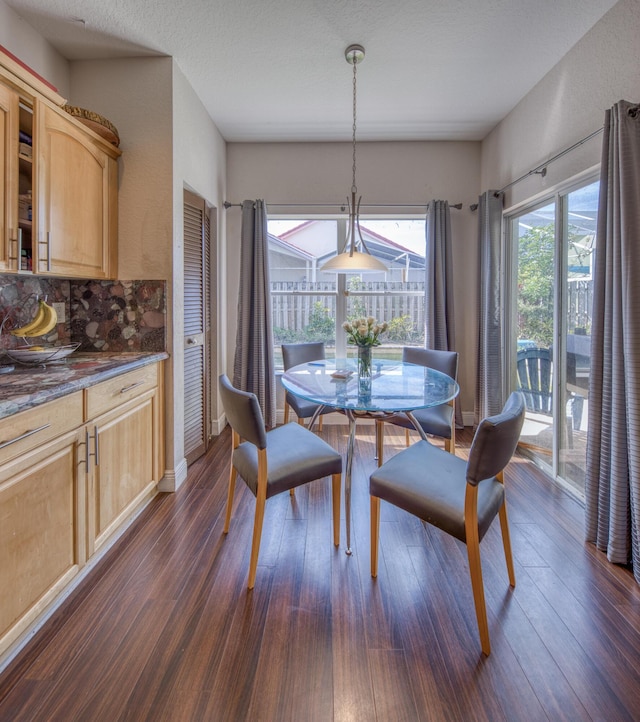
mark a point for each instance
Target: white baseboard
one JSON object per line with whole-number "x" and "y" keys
{"x": 173, "y": 479}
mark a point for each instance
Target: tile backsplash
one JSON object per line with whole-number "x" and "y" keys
{"x": 99, "y": 315}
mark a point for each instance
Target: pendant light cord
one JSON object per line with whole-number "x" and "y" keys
{"x": 354, "y": 189}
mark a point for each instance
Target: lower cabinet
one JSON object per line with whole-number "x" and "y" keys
{"x": 123, "y": 449}
{"x": 42, "y": 545}
{"x": 72, "y": 472}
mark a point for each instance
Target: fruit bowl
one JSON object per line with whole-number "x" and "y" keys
{"x": 39, "y": 355}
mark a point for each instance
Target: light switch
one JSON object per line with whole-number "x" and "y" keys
{"x": 60, "y": 311}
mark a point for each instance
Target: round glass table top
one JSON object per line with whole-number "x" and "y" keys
{"x": 395, "y": 385}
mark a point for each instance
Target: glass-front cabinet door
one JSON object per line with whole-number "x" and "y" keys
{"x": 553, "y": 249}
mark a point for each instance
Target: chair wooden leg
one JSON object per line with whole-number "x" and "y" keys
{"x": 286, "y": 412}
{"x": 506, "y": 542}
{"x": 375, "y": 534}
{"x": 379, "y": 441}
{"x": 255, "y": 543}
{"x": 300, "y": 421}
{"x": 320, "y": 424}
{"x": 336, "y": 483}
{"x": 406, "y": 437}
{"x": 475, "y": 567}
{"x": 232, "y": 487}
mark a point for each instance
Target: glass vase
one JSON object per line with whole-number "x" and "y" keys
{"x": 364, "y": 371}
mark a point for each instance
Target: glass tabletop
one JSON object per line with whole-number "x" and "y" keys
{"x": 395, "y": 385}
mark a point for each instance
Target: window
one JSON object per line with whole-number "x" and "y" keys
{"x": 311, "y": 305}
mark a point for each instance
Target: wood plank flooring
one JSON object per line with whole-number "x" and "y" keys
{"x": 164, "y": 629}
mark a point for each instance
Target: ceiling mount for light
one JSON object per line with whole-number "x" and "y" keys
{"x": 355, "y": 256}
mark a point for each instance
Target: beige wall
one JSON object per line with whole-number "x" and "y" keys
{"x": 402, "y": 173}
{"x": 199, "y": 156}
{"x": 31, "y": 48}
{"x": 565, "y": 107}
{"x": 168, "y": 143}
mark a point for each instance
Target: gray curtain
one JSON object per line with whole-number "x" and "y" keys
{"x": 490, "y": 377}
{"x": 612, "y": 485}
{"x": 253, "y": 368}
{"x": 439, "y": 320}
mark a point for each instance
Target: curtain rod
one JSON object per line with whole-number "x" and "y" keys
{"x": 542, "y": 168}
{"x": 343, "y": 206}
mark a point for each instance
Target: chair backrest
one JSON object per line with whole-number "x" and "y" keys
{"x": 495, "y": 440}
{"x": 444, "y": 361}
{"x": 243, "y": 413}
{"x": 535, "y": 379}
{"x": 301, "y": 353}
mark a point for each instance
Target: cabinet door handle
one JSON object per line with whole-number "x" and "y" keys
{"x": 23, "y": 436}
{"x": 124, "y": 389}
{"x": 96, "y": 445}
{"x": 19, "y": 249}
{"x": 48, "y": 250}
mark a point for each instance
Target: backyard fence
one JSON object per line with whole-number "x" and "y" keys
{"x": 305, "y": 309}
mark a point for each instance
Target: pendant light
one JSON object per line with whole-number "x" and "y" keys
{"x": 355, "y": 255}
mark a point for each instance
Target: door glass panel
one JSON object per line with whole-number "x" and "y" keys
{"x": 579, "y": 225}
{"x": 555, "y": 256}
{"x": 535, "y": 234}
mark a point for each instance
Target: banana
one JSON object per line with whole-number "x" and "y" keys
{"x": 37, "y": 320}
{"x": 48, "y": 323}
{"x": 44, "y": 321}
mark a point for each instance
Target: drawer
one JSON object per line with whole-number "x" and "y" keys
{"x": 29, "y": 429}
{"x": 109, "y": 394}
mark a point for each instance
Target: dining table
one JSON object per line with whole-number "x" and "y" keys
{"x": 391, "y": 388}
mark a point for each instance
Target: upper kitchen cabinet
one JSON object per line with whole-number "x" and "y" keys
{"x": 58, "y": 184}
{"x": 9, "y": 105}
{"x": 76, "y": 198}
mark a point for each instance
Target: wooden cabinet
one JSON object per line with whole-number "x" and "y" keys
{"x": 42, "y": 501}
{"x": 125, "y": 449}
{"x": 76, "y": 199}
{"x": 72, "y": 472}
{"x": 8, "y": 178}
{"x": 58, "y": 198}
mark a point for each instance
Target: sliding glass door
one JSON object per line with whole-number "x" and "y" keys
{"x": 553, "y": 247}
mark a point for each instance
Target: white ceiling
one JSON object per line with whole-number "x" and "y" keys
{"x": 275, "y": 71}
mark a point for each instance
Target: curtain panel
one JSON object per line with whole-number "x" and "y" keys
{"x": 438, "y": 313}
{"x": 254, "y": 368}
{"x": 491, "y": 387}
{"x": 612, "y": 484}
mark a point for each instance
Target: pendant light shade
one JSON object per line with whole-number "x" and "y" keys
{"x": 355, "y": 256}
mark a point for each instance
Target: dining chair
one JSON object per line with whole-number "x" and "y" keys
{"x": 436, "y": 420}
{"x": 274, "y": 461}
{"x": 459, "y": 497}
{"x": 292, "y": 355}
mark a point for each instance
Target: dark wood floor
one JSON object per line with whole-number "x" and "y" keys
{"x": 165, "y": 629}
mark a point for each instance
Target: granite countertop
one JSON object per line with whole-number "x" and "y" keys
{"x": 26, "y": 387}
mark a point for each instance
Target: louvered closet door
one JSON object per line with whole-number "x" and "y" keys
{"x": 197, "y": 364}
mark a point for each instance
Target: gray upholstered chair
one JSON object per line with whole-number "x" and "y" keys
{"x": 437, "y": 420}
{"x": 461, "y": 498}
{"x": 273, "y": 461}
{"x": 292, "y": 355}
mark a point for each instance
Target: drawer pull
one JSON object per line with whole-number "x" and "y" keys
{"x": 130, "y": 387}
{"x": 23, "y": 436}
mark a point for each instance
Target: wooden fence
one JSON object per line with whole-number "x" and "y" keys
{"x": 301, "y": 309}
